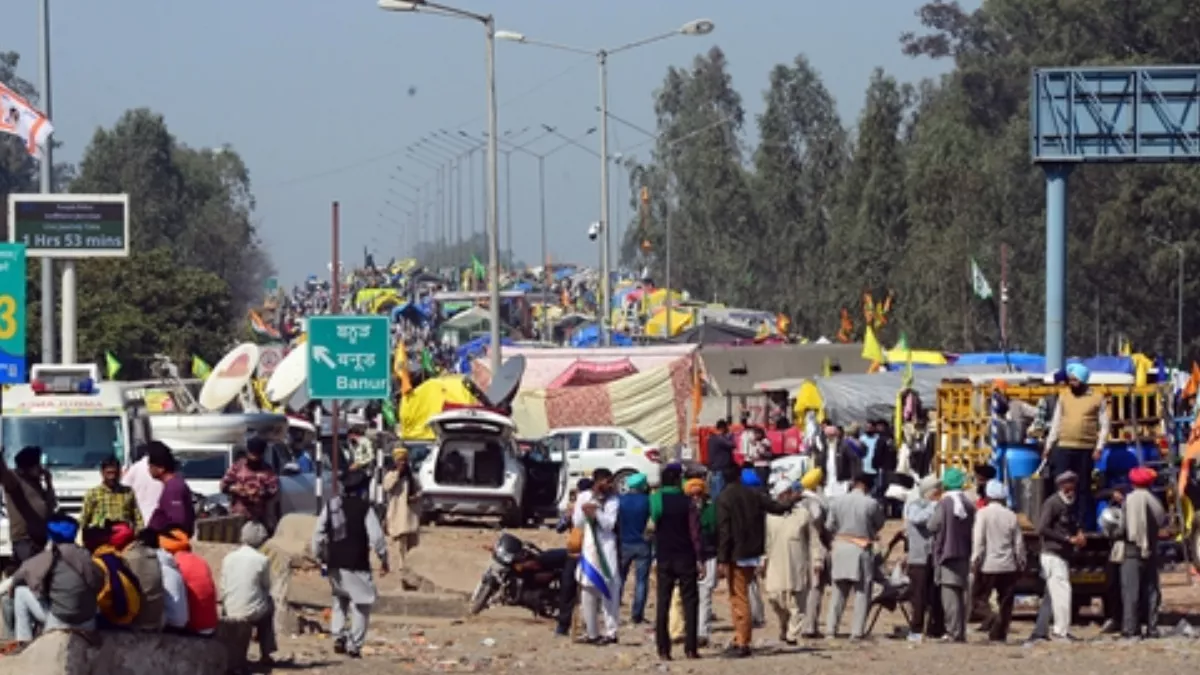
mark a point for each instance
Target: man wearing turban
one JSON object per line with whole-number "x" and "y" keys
{"x": 1140, "y": 594}
{"x": 56, "y": 595}
{"x": 402, "y": 495}
{"x": 998, "y": 558}
{"x": 1078, "y": 431}
{"x": 697, "y": 489}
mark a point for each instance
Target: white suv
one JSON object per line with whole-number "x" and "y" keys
{"x": 617, "y": 449}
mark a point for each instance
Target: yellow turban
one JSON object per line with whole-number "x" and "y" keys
{"x": 400, "y": 452}
{"x": 695, "y": 487}
{"x": 812, "y": 479}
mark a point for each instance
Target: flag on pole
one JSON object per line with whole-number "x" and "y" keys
{"x": 478, "y": 268}
{"x": 400, "y": 367}
{"x": 112, "y": 365}
{"x": 871, "y": 350}
{"x": 902, "y": 345}
{"x": 979, "y": 283}
{"x": 19, "y": 118}
{"x": 200, "y": 369}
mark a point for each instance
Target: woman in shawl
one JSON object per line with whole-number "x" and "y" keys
{"x": 403, "y": 506}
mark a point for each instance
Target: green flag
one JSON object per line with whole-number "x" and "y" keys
{"x": 427, "y": 362}
{"x": 200, "y": 369}
{"x": 478, "y": 269}
{"x": 112, "y": 365}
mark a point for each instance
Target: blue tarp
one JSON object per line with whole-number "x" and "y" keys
{"x": 470, "y": 350}
{"x": 589, "y": 336}
{"x": 1036, "y": 363}
{"x": 414, "y": 313}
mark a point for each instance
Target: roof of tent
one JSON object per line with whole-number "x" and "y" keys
{"x": 1036, "y": 363}
{"x": 714, "y": 332}
{"x": 736, "y": 369}
{"x": 857, "y": 398}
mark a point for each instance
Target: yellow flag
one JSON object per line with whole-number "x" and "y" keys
{"x": 112, "y": 365}
{"x": 400, "y": 368}
{"x": 200, "y": 369}
{"x": 1126, "y": 348}
{"x": 827, "y": 367}
{"x": 871, "y": 350}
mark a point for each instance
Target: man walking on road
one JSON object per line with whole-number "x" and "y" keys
{"x": 678, "y": 541}
{"x": 741, "y": 540}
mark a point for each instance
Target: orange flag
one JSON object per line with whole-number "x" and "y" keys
{"x": 1193, "y": 383}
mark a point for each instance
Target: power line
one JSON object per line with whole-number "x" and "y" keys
{"x": 392, "y": 153}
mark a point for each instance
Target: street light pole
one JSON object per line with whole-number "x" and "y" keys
{"x": 46, "y": 186}
{"x": 605, "y": 303}
{"x": 696, "y": 27}
{"x": 545, "y": 255}
{"x": 493, "y": 200}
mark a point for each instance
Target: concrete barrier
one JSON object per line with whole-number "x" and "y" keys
{"x": 117, "y": 653}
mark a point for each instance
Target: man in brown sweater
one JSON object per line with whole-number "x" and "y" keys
{"x": 1078, "y": 432}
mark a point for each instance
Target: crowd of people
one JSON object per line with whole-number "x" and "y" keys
{"x": 127, "y": 562}
{"x": 790, "y": 545}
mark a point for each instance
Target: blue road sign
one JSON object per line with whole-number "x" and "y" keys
{"x": 12, "y": 313}
{"x": 349, "y": 357}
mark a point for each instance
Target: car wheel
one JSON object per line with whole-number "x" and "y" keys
{"x": 513, "y": 518}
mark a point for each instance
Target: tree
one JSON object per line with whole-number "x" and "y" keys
{"x": 150, "y": 305}
{"x": 800, "y": 160}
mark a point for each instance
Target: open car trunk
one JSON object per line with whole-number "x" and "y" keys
{"x": 473, "y": 461}
{"x": 473, "y": 447}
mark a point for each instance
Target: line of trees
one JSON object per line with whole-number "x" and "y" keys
{"x": 932, "y": 173}
{"x": 197, "y": 262}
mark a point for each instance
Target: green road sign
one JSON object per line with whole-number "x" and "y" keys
{"x": 12, "y": 313}
{"x": 349, "y": 357}
{"x": 70, "y": 225}
{"x": 271, "y": 284}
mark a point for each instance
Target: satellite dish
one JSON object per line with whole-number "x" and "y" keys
{"x": 289, "y": 376}
{"x": 505, "y": 383}
{"x": 229, "y": 377}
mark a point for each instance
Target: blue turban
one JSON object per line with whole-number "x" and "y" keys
{"x": 62, "y": 529}
{"x": 1079, "y": 372}
{"x": 750, "y": 478}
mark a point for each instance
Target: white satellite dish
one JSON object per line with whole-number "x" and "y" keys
{"x": 230, "y": 376}
{"x": 289, "y": 375}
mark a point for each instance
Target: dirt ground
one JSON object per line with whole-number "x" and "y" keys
{"x": 503, "y": 640}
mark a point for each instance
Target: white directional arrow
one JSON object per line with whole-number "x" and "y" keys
{"x": 321, "y": 353}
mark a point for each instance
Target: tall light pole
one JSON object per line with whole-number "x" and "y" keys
{"x": 507, "y": 137}
{"x": 46, "y": 186}
{"x": 541, "y": 160}
{"x": 696, "y": 27}
{"x": 435, "y": 215}
{"x": 489, "y": 25}
{"x": 1182, "y": 253}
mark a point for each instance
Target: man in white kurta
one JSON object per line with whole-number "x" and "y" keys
{"x": 600, "y": 584}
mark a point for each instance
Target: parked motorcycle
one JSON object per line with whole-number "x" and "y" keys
{"x": 521, "y": 575}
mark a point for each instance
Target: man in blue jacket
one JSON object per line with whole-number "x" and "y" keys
{"x": 633, "y": 512}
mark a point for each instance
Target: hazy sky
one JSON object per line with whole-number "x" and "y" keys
{"x": 321, "y": 97}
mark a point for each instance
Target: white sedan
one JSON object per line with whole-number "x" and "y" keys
{"x": 617, "y": 449}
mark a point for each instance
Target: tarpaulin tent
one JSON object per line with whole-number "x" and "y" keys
{"x": 856, "y": 398}
{"x": 656, "y": 325}
{"x": 589, "y": 336}
{"x": 427, "y": 400}
{"x": 1036, "y": 363}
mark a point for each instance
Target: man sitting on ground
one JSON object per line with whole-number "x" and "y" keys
{"x": 120, "y": 598}
{"x": 55, "y": 589}
{"x": 197, "y": 580}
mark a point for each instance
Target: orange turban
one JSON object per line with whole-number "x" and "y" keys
{"x": 695, "y": 487}
{"x": 174, "y": 542}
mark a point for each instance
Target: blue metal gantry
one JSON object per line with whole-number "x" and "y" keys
{"x": 1096, "y": 115}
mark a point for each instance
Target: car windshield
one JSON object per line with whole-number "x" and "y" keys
{"x": 203, "y": 465}
{"x": 637, "y": 437}
{"x": 67, "y": 442}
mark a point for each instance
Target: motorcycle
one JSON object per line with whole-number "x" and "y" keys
{"x": 521, "y": 575}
